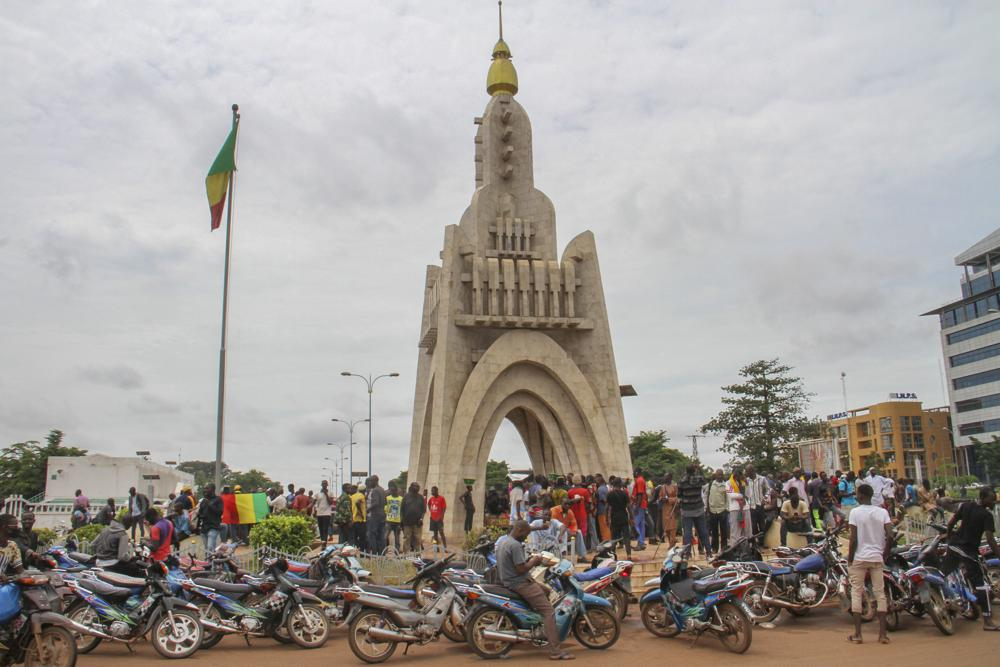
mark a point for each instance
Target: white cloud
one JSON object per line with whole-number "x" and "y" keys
{"x": 790, "y": 179}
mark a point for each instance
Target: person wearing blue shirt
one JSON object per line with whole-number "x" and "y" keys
{"x": 848, "y": 499}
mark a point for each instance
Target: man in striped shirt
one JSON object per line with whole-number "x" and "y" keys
{"x": 756, "y": 492}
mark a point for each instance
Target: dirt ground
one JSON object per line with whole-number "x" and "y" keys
{"x": 819, "y": 639}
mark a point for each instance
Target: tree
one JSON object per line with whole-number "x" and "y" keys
{"x": 204, "y": 472}
{"x": 496, "y": 474}
{"x": 873, "y": 460}
{"x": 651, "y": 455}
{"x": 763, "y": 415}
{"x": 251, "y": 480}
{"x": 988, "y": 457}
{"x": 400, "y": 480}
{"x": 23, "y": 465}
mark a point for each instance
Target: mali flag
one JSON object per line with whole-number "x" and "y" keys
{"x": 217, "y": 181}
{"x": 244, "y": 507}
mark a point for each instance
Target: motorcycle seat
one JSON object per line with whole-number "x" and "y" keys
{"x": 223, "y": 586}
{"x": 777, "y": 571}
{"x": 493, "y": 589}
{"x": 704, "y": 587}
{"x": 103, "y": 589}
{"x": 307, "y": 583}
{"x": 389, "y": 591}
{"x": 458, "y": 565}
{"x": 591, "y": 575}
{"x": 81, "y": 557}
{"x": 703, "y": 573}
{"x": 122, "y": 580}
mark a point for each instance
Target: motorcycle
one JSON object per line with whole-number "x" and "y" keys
{"x": 501, "y": 618}
{"x": 683, "y": 604}
{"x": 225, "y": 610}
{"x": 125, "y": 609}
{"x": 382, "y": 622}
{"x": 797, "y": 586}
{"x": 32, "y": 629}
{"x": 942, "y": 596}
{"x": 612, "y": 582}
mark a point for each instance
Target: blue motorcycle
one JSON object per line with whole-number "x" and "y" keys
{"x": 683, "y": 604}
{"x": 501, "y": 618}
{"x": 941, "y": 595}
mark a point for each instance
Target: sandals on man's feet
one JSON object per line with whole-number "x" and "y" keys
{"x": 855, "y": 639}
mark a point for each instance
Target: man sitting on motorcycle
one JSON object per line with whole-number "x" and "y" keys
{"x": 10, "y": 555}
{"x": 513, "y": 568}
{"x": 974, "y": 519}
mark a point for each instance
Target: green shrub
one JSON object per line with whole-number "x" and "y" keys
{"x": 291, "y": 532}
{"x": 88, "y": 533}
{"x": 494, "y": 531}
{"x": 46, "y": 537}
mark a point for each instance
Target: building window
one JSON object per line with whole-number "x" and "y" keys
{"x": 890, "y": 457}
{"x": 975, "y": 428}
{"x": 975, "y": 355}
{"x": 887, "y": 443}
{"x": 976, "y": 379}
{"x": 864, "y": 430}
{"x": 910, "y": 465}
{"x": 918, "y": 440}
{"x": 885, "y": 425}
{"x": 904, "y": 423}
{"x": 991, "y": 401}
{"x": 916, "y": 424}
{"x": 972, "y": 332}
{"x": 864, "y": 444}
{"x": 907, "y": 441}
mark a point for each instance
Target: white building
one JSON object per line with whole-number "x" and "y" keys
{"x": 101, "y": 477}
{"x": 970, "y": 338}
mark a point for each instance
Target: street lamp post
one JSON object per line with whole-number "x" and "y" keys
{"x": 350, "y": 434}
{"x": 370, "y": 383}
{"x": 340, "y": 447}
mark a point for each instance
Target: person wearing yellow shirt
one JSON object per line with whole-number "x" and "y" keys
{"x": 359, "y": 511}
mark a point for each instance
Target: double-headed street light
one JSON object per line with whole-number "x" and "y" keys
{"x": 350, "y": 436}
{"x": 370, "y": 383}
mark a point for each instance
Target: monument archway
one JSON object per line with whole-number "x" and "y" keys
{"x": 510, "y": 330}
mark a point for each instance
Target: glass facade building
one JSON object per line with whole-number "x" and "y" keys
{"x": 970, "y": 341}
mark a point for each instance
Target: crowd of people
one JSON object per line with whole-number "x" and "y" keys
{"x": 710, "y": 509}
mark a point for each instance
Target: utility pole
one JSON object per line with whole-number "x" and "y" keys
{"x": 694, "y": 447}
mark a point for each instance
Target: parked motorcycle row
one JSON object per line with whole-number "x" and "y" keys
{"x": 182, "y": 605}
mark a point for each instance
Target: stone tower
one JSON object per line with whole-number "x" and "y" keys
{"x": 510, "y": 330}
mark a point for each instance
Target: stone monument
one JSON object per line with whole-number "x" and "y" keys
{"x": 510, "y": 330}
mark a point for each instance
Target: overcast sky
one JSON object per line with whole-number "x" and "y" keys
{"x": 763, "y": 179}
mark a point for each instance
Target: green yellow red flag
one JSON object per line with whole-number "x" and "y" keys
{"x": 251, "y": 507}
{"x": 217, "y": 181}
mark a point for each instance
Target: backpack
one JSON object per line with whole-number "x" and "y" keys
{"x": 343, "y": 515}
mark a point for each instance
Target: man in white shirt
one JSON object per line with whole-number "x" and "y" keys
{"x": 870, "y": 545}
{"x": 517, "y": 501}
{"x": 878, "y": 484}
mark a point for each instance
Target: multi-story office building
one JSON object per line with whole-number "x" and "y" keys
{"x": 899, "y": 430}
{"x": 970, "y": 339}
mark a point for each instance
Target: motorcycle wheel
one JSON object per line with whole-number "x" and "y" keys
{"x": 451, "y": 631}
{"x": 970, "y": 611}
{"x": 56, "y": 649}
{"x": 892, "y": 618}
{"x": 425, "y": 590}
{"x": 618, "y": 599}
{"x": 481, "y": 619}
{"x": 84, "y": 614}
{"x": 179, "y": 639}
{"x": 938, "y": 612}
{"x": 657, "y": 620}
{"x": 362, "y": 647}
{"x": 307, "y": 626}
{"x": 210, "y": 612}
{"x": 993, "y": 577}
{"x": 597, "y": 628}
{"x": 739, "y": 628}
{"x": 754, "y": 598}
{"x": 280, "y": 635}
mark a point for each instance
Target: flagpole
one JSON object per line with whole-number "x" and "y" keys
{"x": 219, "y": 427}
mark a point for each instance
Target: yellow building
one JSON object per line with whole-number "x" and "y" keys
{"x": 901, "y": 431}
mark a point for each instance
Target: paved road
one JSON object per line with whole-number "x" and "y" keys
{"x": 819, "y": 639}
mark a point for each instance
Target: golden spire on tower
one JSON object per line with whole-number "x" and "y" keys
{"x": 502, "y": 77}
